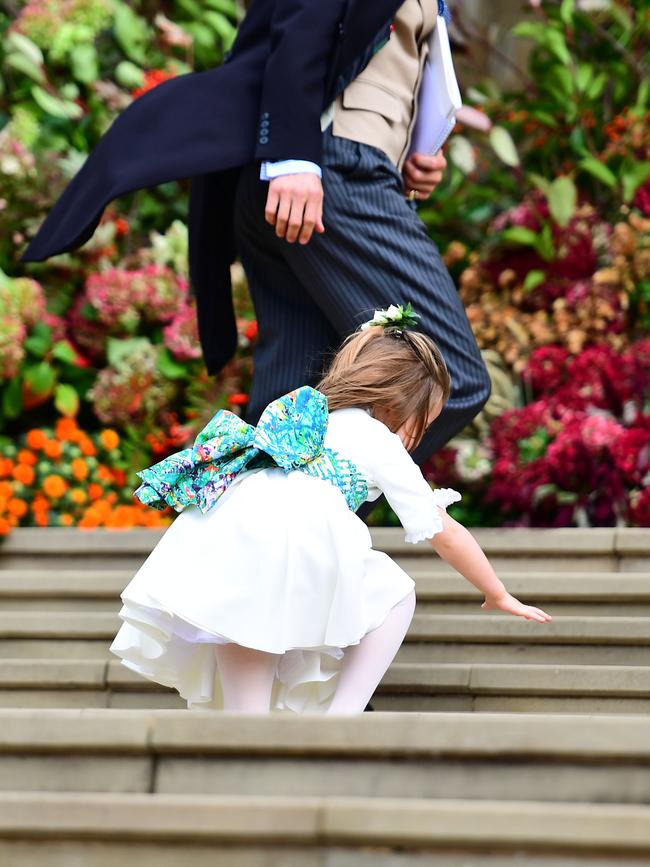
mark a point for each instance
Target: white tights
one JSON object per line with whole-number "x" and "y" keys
{"x": 247, "y": 675}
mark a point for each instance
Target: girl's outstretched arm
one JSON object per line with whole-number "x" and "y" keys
{"x": 459, "y": 548}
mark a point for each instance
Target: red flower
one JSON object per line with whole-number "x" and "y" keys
{"x": 238, "y": 399}
{"x": 152, "y": 78}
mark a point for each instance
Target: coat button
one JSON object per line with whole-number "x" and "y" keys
{"x": 264, "y": 139}
{"x": 266, "y": 114}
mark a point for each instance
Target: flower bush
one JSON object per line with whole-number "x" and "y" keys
{"x": 64, "y": 477}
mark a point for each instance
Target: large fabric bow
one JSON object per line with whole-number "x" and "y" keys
{"x": 289, "y": 434}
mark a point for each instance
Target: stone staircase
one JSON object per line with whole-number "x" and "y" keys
{"x": 503, "y": 741}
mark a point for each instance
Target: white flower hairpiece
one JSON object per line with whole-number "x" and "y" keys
{"x": 395, "y": 316}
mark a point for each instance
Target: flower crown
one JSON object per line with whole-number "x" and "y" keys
{"x": 396, "y": 316}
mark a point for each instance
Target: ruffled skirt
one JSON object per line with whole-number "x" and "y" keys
{"x": 280, "y": 564}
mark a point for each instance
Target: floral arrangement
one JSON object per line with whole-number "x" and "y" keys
{"x": 64, "y": 477}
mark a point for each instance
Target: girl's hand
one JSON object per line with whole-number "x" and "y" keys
{"x": 507, "y": 602}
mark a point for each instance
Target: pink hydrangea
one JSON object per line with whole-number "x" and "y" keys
{"x": 182, "y": 335}
{"x": 12, "y": 336}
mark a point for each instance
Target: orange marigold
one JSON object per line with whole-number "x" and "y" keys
{"x": 5, "y": 526}
{"x": 6, "y": 489}
{"x": 87, "y": 447}
{"x": 78, "y": 496}
{"x": 36, "y": 439}
{"x": 23, "y": 473}
{"x": 104, "y": 473}
{"x": 53, "y": 449}
{"x": 79, "y": 469}
{"x": 109, "y": 439}
{"x": 67, "y": 520}
{"x": 95, "y": 491}
{"x": 41, "y": 519}
{"x": 6, "y": 466}
{"x": 66, "y": 429}
{"x": 55, "y": 486}
{"x": 17, "y": 507}
{"x": 27, "y": 457}
{"x": 90, "y": 519}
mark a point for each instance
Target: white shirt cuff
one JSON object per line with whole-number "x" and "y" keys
{"x": 268, "y": 171}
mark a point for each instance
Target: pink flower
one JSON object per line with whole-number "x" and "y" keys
{"x": 182, "y": 335}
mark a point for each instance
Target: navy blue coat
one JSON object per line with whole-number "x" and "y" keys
{"x": 290, "y": 59}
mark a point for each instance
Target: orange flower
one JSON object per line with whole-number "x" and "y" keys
{"x": 6, "y": 489}
{"x": 109, "y": 439}
{"x": 23, "y": 473}
{"x": 55, "y": 486}
{"x": 79, "y": 469}
{"x": 95, "y": 491}
{"x": 53, "y": 449}
{"x": 66, "y": 429}
{"x": 104, "y": 473}
{"x": 121, "y": 518}
{"x": 27, "y": 457}
{"x": 41, "y": 519}
{"x": 17, "y": 507}
{"x": 6, "y": 466}
{"x": 5, "y": 526}
{"x": 36, "y": 439}
{"x": 87, "y": 447}
{"x": 66, "y": 520}
{"x": 78, "y": 496}
{"x": 90, "y": 519}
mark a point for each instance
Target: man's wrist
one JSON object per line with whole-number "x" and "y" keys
{"x": 270, "y": 170}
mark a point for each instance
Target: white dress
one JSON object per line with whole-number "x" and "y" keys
{"x": 280, "y": 564}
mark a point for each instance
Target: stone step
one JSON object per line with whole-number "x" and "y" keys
{"x": 420, "y": 686}
{"x": 486, "y": 627}
{"x": 594, "y": 549}
{"x": 476, "y": 756}
{"x": 578, "y": 593}
{"x": 485, "y": 637}
{"x": 242, "y": 831}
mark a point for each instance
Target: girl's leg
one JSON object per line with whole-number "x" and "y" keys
{"x": 246, "y": 677}
{"x": 364, "y": 664}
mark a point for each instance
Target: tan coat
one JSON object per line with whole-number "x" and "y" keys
{"x": 379, "y": 106}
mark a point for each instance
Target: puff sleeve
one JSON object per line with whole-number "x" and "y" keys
{"x": 416, "y": 504}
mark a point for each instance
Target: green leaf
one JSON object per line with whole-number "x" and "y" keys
{"x": 562, "y": 199}
{"x": 541, "y": 183}
{"x": 12, "y": 399}
{"x": 584, "y": 76}
{"x": 597, "y": 86}
{"x": 55, "y": 106}
{"x": 222, "y": 26}
{"x": 84, "y": 63}
{"x": 169, "y": 367}
{"x": 598, "y": 170}
{"x": 37, "y": 346}
{"x": 26, "y": 66}
{"x": 63, "y": 351}
{"x": 23, "y": 45}
{"x": 131, "y": 32}
{"x": 544, "y": 245}
{"x": 567, "y": 9}
{"x": 504, "y": 146}
{"x": 40, "y": 378}
{"x": 129, "y": 75}
{"x": 228, "y": 7}
{"x": 633, "y": 179}
{"x": 66, "y": 399}
{"x": 533, "y": 279}
{"x": 530, "y": 30}
{"x": 461, "y": 153}
{"x": 520, "y": 235}
{"x": 556, "y": 44}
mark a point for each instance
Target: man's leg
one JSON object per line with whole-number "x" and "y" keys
{"x": 375, "y": 251}
{"x": 294, "y": 335}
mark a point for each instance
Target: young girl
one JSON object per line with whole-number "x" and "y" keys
{"x": 265, "y": 592}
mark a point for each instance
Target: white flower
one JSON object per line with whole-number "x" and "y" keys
{"x": 393, "y": 312}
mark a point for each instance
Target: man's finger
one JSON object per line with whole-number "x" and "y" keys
{"x": 295, "y": 219}
{"x": 284, "y": 209}
{"x": 309, "y": 220}
{"x": 271, "y": 209}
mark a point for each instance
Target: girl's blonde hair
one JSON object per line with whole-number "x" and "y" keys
{"x": 401, "y": 372}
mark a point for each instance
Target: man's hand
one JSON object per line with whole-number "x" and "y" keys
{"x": 294, "y": 205}
{"x": 423, "y": 173}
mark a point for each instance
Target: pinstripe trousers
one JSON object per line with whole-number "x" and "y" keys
{"x": 375, "y": 251}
